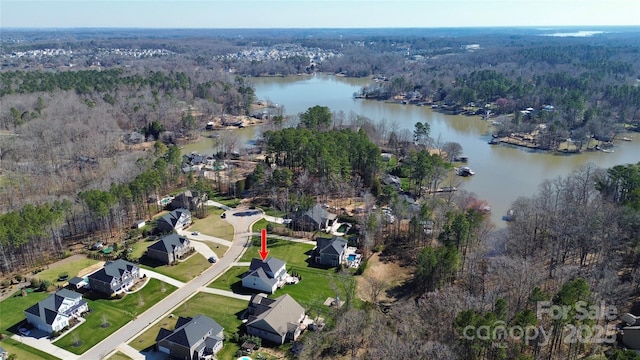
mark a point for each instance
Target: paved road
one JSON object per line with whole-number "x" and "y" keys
{"x": 242, "y": 226}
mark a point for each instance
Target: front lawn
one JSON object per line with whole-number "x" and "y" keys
{"x": 226, "y": 200}
{"x": 224, "y": 310}
{"x": 220, "y": 250}
{"x": 23, "y": 351}
{"x": 293, "y": 253}
{"x": 231, "y": 280}
{"x": 183, "y": 271}
{"x": 213, "y": 225}
{"x": 71, "y": 269}
{"x": 12, "y": 309}
{"x": 108, "y": 315}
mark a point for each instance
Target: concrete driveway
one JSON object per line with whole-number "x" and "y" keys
{"x": 204, "y": 237}
{"x": 242, "y": 225}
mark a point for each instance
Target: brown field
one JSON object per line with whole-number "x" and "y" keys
{"x": 390, "y": 273}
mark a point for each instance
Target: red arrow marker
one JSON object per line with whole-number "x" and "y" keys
{"x": 263, "y": 248}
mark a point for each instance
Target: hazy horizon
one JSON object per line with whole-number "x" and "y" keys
{"x": 315, "y": 14}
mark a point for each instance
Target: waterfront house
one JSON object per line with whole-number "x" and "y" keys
{"x": 194, "y": 338}
{"x": 54, "y": 312}
{"x": 276, "y": 320}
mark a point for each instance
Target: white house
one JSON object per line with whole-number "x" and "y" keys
{"x": 54, "y": 312}
{"x": 266, "y": 276}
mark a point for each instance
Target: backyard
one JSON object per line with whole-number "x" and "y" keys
{"x": 183, "y": 271}
{"x": 108, "y": 315}
{"x": 213, "y": 225}
{"x": 293, "y": 253}
{"x": 224, "y": 310}
{"x": 70, "y": 266}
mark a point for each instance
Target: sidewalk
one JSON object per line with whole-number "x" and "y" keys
{"x": 217, "y": 204}
{"x": 130, "y": 352}
{"x": 225, "y": 293}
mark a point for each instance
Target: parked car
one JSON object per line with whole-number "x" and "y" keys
{"x": 224, "y": 215}
{"x": 212, "y": 259}
{"x": 195, "y": 233}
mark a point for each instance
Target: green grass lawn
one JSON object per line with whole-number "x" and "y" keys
{"x": 183, "y": 271}
{"x": 259, "y": 225}
{"x": 115, "y": 312}
{"x": 12, "y": 309}
{"x": 213, "y": 225}
{"x": 23, "y": 351}
{"x": 225, "y": 200}
{"x": 139, "y": 248}
{"x": 71, "y": 268}
{"x": 225, "y": 311}
{"x": 119, "y": 356}
{"x": 227, "y": 280}
{"x": 293, "y": 253}
{"x": 274, "y": 212}
{"x": 220, "y": 250}
{"x": 315, "y": 286}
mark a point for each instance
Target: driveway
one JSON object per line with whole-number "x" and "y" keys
{"x": 38, "y": 339}
{"x": 161, "y": 277}
{"x": 203, "y": 249}
{"x": 217, "y": 204}
{"x": 204, "y": 237}
{"x": 137, "y": 326}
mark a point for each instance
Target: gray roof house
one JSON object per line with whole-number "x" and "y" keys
{"x": 190, "y": 200}
{"x": 316, "y": 218}
{"x": 276, "y": 320}
{"x": 115, "y": 277}
{"x": 54, "y": 312}
{"x": 330, "y": 252}
{"x": 266, "y": 276}
{"x": 193, "y": 338}
{"x": 175, "y": 220}
{"x": 169, "y": 248}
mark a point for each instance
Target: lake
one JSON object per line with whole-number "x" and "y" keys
{"x": 502, "y": 173}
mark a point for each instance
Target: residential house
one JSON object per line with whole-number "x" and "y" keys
{"x": 316, "y": 218}
{"x": 276, "y": 320}
{"x": 393, "y": 181}
{"x": 330, "y": 252}
{"x": 54, "y": 312}
{"x": 190, "y": 200}
{"x": 115, "y": 277}
{"x": 266, "y": 276}
{"x": 169, "y": 248}
{"x": 177, "y": 219}
{"x": 4, "y": 354}
{"x": 193, "y": 338}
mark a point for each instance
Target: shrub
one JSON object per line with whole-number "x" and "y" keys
{"x": 35, "y": 283}
{"x": 44, "y": 285}
{"x": 19, "y": 277}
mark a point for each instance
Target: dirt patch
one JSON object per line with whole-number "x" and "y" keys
{"x": 387, "y": 274}
{"x": 90, "y": 269}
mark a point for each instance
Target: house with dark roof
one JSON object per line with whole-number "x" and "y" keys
{"x": 266, "y": 276}
{"x": 193, "y": 338}
{"x": 169, "y": 248}
{"x": 54, "y": 312}
{"x": 177, "y": 219}
{"x": 77, "y": 283}
{"x": 276, "y": 320}
{"x": 190, "y": 200}
{"x": 315, "y": 219}
{"x": 115, "y": 277}
{"x": 330, "y": 252}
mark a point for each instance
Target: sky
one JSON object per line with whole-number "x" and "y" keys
{"x": 315, "y": 13}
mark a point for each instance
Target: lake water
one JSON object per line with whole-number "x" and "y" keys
{"x": 502, "y": 173}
